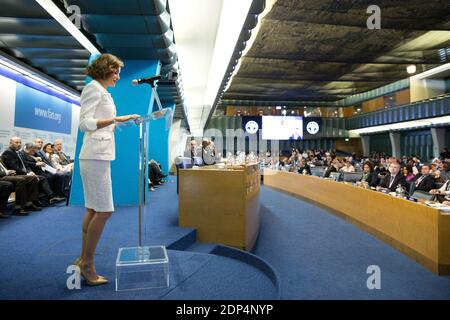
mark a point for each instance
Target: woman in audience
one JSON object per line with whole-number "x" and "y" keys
{"x": 48, "y": 150}
{"x": 408, "y": 173}
{"x": 348, "y": 167}
{"x": 369, "y": 176}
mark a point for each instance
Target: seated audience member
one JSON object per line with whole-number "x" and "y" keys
{"x": 424, "y": 181}
{"x": 208, "y": 156}
{"x": 413, "y": 165}
{"x": 369, "y": 175}
{"x": 304, "y": 167}
{"x": 408, "y": 174}
{"x": 47, "y": 181}
{"x": 393, "y": 179}
{"x": 63, "y": 178}
{"x": 445, "y": 154}
{"x": 55, "y": 159}
{"x": 47, "y": 149}
{"x": 26, "y": 188}
{"x": 348, "y": 167}
{"x": 381, "y": 167}
{"x": 11, "y": 157}
{"x": 64, "y": 160}
{"x": 445, "y": 172}
{"x": 443, "y": 192}
{"x": 335, "y": 167}
{"x": 6, "y": 188}
{"x": 436, "y": 173}
{"x": 155, "y": 173}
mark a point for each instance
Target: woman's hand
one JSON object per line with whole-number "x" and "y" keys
{"x": 126, "y": 117}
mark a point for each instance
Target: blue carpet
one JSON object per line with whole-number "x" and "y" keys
{"x": 36, "y": 250}
{"x": 317, "y": 255}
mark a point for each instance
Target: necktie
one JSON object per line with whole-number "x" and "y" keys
{"x": 392, "y": 180}
{"x": 419, "y": 180}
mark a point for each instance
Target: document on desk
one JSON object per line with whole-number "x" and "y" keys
{"x": 445, "y": 210}
{"x": 49, "y": 169}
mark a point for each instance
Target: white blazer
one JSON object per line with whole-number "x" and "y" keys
{"x": 97, "y": 103}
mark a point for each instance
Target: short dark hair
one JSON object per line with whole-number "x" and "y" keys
{"x": 46, "y": 145}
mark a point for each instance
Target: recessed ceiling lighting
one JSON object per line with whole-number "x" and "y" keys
{"x": 411, "y": 69}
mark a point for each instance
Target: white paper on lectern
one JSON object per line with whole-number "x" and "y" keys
{"x": 49, "y": 169}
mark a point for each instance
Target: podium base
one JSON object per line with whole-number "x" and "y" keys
{"x": 140, "y": 268}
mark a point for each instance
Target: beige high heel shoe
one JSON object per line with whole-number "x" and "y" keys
{"x": 100, "y": 279}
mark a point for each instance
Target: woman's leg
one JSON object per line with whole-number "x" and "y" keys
{"x": 94, "y": 231}
{"x": 86, "y": 221}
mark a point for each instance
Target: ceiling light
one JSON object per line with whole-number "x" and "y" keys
{"x": 64, "y": 21}
{"x": 36, "y": 78}
{"x": 411, "y": 69}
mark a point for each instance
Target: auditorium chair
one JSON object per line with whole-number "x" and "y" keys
{"x": 352, "y": 176}
{"x": 418, "y": 194}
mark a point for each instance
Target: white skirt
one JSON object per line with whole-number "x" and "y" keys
{"x": 97, "y": 185}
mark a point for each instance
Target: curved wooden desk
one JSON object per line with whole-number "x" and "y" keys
{"x": 222, "y": 204}
{"x": 419, "y": 231}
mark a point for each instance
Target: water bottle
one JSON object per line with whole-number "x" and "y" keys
{"x": 399, "y": 191}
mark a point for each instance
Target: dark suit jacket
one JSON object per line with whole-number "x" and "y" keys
{"x": 306, "y": 167}
{"x": 44, "y": 158}
{"x": 31, "y": 164}
{"x": 426, "y": 184}
{"x": 372, "y": 179}
{"x": 329, "y": 170}
{"x": 12, "y": 162}
{"x": 2, "y": 172}
{"x": 399, "y": 179}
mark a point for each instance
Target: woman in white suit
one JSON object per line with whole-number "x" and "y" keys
{"x": 97, "y": 120}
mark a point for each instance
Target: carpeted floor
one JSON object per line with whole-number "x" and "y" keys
{"x": 35, "y": 252}
{"x": 319, "y": 256}
{"x": 315, "y": 254}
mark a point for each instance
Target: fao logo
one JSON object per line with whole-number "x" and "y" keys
{"x": 312, "y": 127}
{"x": 251, "y": 127}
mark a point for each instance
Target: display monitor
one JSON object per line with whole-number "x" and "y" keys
{"x": 282, "y": 128}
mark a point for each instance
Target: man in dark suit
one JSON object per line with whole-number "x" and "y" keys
{"x": 27, "y": 190}
{"x": 423, "y": 181}
{"x": 40, "y": 153}
{"x": 6, "y": 188}
{"x": 12, "y": 159}
{"x": 393, "y": 178}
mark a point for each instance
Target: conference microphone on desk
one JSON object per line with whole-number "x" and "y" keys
{"x": 149, "y": 80}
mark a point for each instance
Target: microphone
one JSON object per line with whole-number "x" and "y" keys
{"x": 149, "y": 80}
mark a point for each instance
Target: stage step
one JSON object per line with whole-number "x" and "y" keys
{"x": 201, "y": 247}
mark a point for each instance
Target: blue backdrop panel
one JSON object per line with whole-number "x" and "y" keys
{"x": 129, "y": 99}
{"x": 159, "y": 139}
{"x": 41, "y": 111}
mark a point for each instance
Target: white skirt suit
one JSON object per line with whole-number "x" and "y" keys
{"x": 98, "y": 147}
